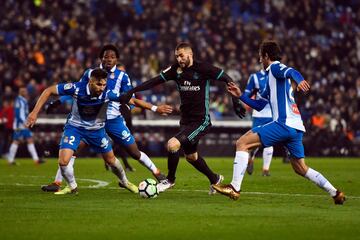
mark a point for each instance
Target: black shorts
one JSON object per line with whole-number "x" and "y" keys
{"x": 190, "y": 135}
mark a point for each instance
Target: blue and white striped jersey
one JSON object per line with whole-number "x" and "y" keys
{"x": 281, "y": 95}
{"x": 256, "y": 85}
{"x": 118, "y": 82}
{"x": 21, "y": 108}
{"x": 87, "y": 112}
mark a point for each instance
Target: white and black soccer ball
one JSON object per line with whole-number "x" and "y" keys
{"x": 148, "y": 189}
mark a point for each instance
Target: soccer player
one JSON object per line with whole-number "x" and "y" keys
{"x": 86, "y": 121}
{"x": 193, "y": 81}
{"x": 287, "y": 127}
{"x": 118, "y": 82}
{"x": 21, "y": 109}
{"x": 255, "y": 87}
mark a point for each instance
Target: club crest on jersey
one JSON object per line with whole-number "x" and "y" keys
{"x": 179, "y": 70}
{"x": 66, "y": 139}
{"x": 112, "y": 75}
{"x": 295, "y": 109}
{"x": 68, "y": 86}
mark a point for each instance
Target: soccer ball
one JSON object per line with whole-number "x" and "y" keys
{"x": 148, "y": 189}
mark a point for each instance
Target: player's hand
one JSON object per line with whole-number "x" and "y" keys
{"x": 239, "y": 108}
{"x": 125, "y": 98}
{"x": 303, "y": 86}
{"x": 52, "y": 106}
{"x": 31, "y": 120}
{"x": 233, "y": 89}
{"x": 164, "y": 109}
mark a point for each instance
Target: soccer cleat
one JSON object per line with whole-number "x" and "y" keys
{"x": 159, "y": 176}
{"x": 212, "y": 191}
{"x": 67, "y": 190}
{"x": 250, "y": 167}
{"x": 164, "y": 185}
{"x": 266, "y": 173}
{"x": 339, "y": 198}
{"x": 129, "y": 186}
{"x": 227, "y": 190}
{"x": 52, "y": 187}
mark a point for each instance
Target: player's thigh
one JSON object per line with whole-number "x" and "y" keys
{"x": 119, "y": 132}
{"x": 191, "y": 133}
{"x": 71, "y": 138}
{"x": 272, "y": 133}
{"x": 98, "y": 140}
{"x": 258, "y": 121}
{"x": 295, "y": 145}
{"x": 249, "y": 140}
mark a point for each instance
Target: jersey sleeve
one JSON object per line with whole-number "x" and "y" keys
{"x": 86, "y": 76}
{"x": 281, "y": 71}
{"x": 169, "y": 73}
{"x": 66, "y": 88}
{"x": 250, "y": 87}
{"x": 211, "y": 71}
{"x": 125, "y": 84}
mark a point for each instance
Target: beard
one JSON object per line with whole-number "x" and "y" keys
{"x": 186, "y": 63}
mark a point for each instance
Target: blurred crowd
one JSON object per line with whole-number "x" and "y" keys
{"x": 45, "y": 42}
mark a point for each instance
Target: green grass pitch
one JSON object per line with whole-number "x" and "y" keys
{"x": 283, "y": 206}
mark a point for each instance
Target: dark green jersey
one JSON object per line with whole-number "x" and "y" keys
{"x": 193, "y": 84}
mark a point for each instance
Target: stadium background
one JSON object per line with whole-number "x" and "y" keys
{"x": 46, "y": 42}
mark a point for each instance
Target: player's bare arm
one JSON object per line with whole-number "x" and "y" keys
{"x": 163, "y": 109}
{"x": 125, "y": 98}
{"x": 39, "y": 104}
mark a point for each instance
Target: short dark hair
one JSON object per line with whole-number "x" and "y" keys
{"x": 183, "y": 45}
{"x": 98, "y": 73}
{"x": 107, "y": 47}
{"x": 272, "y": 49}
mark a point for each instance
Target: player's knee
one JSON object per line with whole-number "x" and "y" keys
{"x": 241, "y": 145}
{"x": 109, "y": 158}
{"x": 191, "y": 157}
{"x": 63, "y": 161}
{"x": 173, "y": 145}
{"x": 299, "y": 168}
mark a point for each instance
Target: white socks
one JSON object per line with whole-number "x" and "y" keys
{"x": 267, "y": 156}
{"x": 146, "y": 161}
{"x": 321, "y": 181}
{"x": 68, "y": 174}
{"x": 118, "y": 170}
{"x": 14, "y": 147}
{"x": 59, "y": 177}
{"x": 32, "y": 151}
{"x": 12, "y": 152}
{"x": 240, "y": 165}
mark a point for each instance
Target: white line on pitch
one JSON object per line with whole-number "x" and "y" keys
{"x": 103, "y": 184}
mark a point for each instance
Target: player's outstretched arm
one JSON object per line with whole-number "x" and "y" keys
{"x": 161, "y": 109}
{"x": 39, "y": 104}
{"x": 235, "y": 92}
{"x": 125, "y": 98}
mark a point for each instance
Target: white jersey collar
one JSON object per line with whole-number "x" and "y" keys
{"x": 274, "y": 62}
